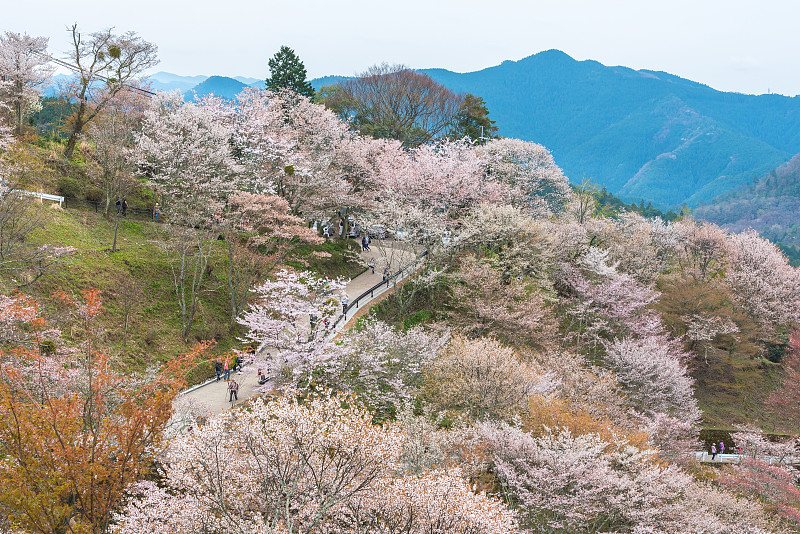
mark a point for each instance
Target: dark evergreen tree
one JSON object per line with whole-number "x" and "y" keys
{"x": 288, "y": 72}
{"x": 473, "y": 121}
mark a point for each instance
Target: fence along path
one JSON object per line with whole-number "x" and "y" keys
{"x": 361, "y": 290}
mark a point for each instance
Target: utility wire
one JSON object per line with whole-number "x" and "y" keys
{"x": 77, "y": 69}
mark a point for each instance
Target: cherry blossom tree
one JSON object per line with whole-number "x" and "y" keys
{"x": 285, "y": 467}
{"x": 383, "y": 367}
{"x": 700, "y": 249}
{"x": 482, "y": 379}
{"x": 529, "y": 169}
{"x": 772, "y": 485}
{"x": 762, "y": 281}
{"x": 258, "y": 231}
{"x": 608, "y": 304}
{"x": 25, "y": 69}
{"x": 751, "y": 442}
{"x": 518, "y": 244}
{"x": 294, "y": 314}
{"x": 487, "y": 305}
{"x": 642, "y": 248}
{"x": 73, "y": 431}
{"x": 561, "y": 482}
{"x": 184, "y": 149}
{"x": 583, "y": 387}
{"x": 424, "y": 193}
{"x": 652, "y": 372}
{"x": 702, "y": 329}
{"x": 290, "y": 147}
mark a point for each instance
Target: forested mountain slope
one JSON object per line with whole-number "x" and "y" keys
{"x": 771, "y": 206}
{"x": 641, "y": 134}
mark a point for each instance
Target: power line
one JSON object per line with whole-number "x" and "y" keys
{"x": 75, "y": 68}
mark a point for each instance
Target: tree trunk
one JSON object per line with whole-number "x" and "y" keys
{"x": 77, "y": 128}
{"x": 116, "y": 227}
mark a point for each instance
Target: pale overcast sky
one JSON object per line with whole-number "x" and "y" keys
{"x": 731, "y": 45}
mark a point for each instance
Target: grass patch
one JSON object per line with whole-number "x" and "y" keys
{"x": 136, "y": 286}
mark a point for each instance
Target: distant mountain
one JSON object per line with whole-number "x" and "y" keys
{"x": 641, "y": 134}
{"x": 771, "y": 206}
{"x": 318, "y": 83}
{"x": 247, "y": 80}
{"x": 216, "y": 85}
{"x": 165, "y": 81}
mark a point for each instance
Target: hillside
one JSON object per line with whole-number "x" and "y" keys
{"x": 771, "y": 206}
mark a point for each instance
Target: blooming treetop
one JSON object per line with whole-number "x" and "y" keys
{"x": 185, "y": 150}
{"x": 382, "y": 365}
{"x": 24, "y": 69}
{"x": 285, "y": 467}
{"x": 290, "y": 146}
{"x": 294, "y": 313}
{"x": 652, "y": 372}
{"x": 562, "y": 482}
{"x": 538, "y": 183}
{"x": 762, "y": 280}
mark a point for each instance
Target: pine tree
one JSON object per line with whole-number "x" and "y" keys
{"x": 288, "y": 72}
{"x": 473, "y": 121}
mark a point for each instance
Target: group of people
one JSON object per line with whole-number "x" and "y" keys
{"x": 721, "y": 450}
{"x": 122, "y": 206}
{"x": 223, "y": 372}
{"x": 365, "y": 241}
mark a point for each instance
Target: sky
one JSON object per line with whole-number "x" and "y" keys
{"x": 731, "y": 45}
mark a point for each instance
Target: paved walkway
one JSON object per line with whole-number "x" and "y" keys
{"x": 705, "y": 457}
{"x": 212, "y": 396}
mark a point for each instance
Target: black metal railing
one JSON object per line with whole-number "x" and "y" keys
{"x": 370, "y": 293}
{"x": 100, "y": 207}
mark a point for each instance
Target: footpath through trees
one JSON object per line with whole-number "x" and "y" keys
{"x": 212, "y": 396}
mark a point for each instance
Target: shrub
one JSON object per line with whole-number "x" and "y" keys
{"x": 68, "y": 186}
{"x": 95, "y": 194}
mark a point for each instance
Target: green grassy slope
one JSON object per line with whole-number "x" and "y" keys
{"x": 136, "y": 282}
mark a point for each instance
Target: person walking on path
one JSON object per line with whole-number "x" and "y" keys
{"x": 713, "y": 452}
{"x": 227, "y": 370}
{"x": 721, "y": 448}
{"x": 156, "y": 211}
{"x": 118, "y": 205}
{"x": 372, "y": 265}
{"x": 367, "y": 241}
{"x": 364, "y": 244}
{"x": 124, "y": 207}
{"x": 345, "y": 300}
{"x": 218, "y": 369}
{"x": 233, "y": 388}
{"x": 386, "y": 274}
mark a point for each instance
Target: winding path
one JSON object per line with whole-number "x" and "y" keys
{"x": 213, "y": 396}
